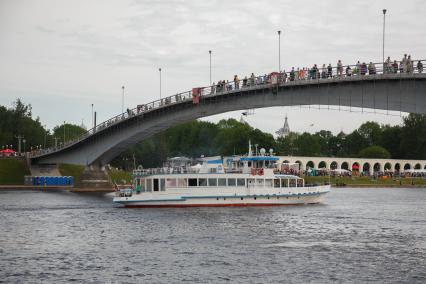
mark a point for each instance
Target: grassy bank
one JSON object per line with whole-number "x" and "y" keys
{"x": 118, "y": 176}
{"x": 72, "y": 170}
{"x": 12, "y": 171}
{"x": 367, "y": 181}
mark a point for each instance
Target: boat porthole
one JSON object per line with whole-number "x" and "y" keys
{"x": 217, "y": 198}
{"x": 224, "y": 198}
{"x": 255, "y": 198}
{"x": 242, "y": 198}
{"x": 268, "y": 197}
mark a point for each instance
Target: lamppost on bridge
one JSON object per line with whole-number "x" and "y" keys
{"x": 92, "y": 118}
{"x": 383, "y": 48}
{"x": 279, "y": 51}
{"x": 45, "y": 136}
{"x": 122, "y": 99}
{"x": 64, "y": 132}
{"x": 159, "y": 70}
{"x": 210, "y": 55}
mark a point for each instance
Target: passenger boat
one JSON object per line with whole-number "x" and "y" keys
{"x": 249, "y": 180}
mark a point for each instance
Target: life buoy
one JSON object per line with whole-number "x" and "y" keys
{"x": 261, "y": 172}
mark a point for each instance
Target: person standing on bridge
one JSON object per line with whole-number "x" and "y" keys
{"x": 363, "y": 69}
{"x": 420, "y": 67}
{"x": 371, "y": 69}
{"x": 410, "y": 65}
{"x": 403, "y": 65}
{"x": 329, "y": 71}
{"x": 348, "y": 71}
{"x": 387, "y": 66}
{"x": 236, "y": 82}
{"x": 292, "y": 74}
{"x": 395, "y": 67}
{"x": 339, "y": 68}
{"x": 323, "y": 72}
{"x": 252, "y": 79}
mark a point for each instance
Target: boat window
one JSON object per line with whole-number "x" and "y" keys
{"x": 202, "y": 182}
{"x": 213, "y": 170}
{"x": 259, "y": 181}
{"x": 156, "y": 185}
{"x": 276, "y": 182}
{"x": 300, "y": 183}
{"x": 241, "y": 182}
{"x": 292, "y": 182}
{"x": 250, "y": 181}
{"x": 149, "y": 184}
{"x": 142, "y": 184}
{"x": 268, "y": 182}
{"x": 138, "y": 181}
{"x": 284, "y": 182}
{"x": 192, "y": 182}
{"x": 212, "y": 182}
{"x": 221, "y": 181}
{"x": 182, "y": 182}
{"x": 162, "y": 184}
{"x": 249, "y": 164}
{"x": 231, "y": 182}
{"x": 171, "y": 182}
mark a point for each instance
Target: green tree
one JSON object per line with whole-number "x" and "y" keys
{"x": 374, "y": 152}
{"x": 68, "y": 131}
{"x": 413, "y": 137}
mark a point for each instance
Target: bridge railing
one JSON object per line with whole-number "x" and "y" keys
{"x": 295, "y": 76}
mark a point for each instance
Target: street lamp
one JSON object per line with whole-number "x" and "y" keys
{"x": 383, "y": 50}
{"x": 92, "y": 118}
{"x": 45, "y": 135}
{"x": 122, "y": 100}
{"x": 210, "y": 55}
{"x": 279, "y": 51}
{"x": 159, "y": 69}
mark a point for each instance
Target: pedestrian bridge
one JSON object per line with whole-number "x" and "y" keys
{"x": 405, "y": 92}
{"x": 359, "y": 164}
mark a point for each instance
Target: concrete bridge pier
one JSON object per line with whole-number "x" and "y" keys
{"x": 96, "y": 178}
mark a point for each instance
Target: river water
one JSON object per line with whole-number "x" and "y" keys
{"x": 357, "y": 235}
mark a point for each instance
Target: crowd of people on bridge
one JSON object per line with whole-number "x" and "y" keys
{"x": 406, "y": 65}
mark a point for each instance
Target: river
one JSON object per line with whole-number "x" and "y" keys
{"x": 357, "y": 235}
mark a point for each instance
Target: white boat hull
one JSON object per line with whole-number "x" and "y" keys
{"x": 241, "y": 197}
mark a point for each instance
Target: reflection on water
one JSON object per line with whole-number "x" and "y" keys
{"x": 358, "y": 235}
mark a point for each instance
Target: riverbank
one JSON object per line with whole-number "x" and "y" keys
{"x": 367, "y": 181}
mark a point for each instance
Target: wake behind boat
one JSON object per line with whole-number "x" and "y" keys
{"x": 251, "y": 180}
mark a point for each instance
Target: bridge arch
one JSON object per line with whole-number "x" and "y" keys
{"x": 310, "y": 164}
{"x": 377, "y": 167}
{"x": 417, "y": 166}
{"x": 407, "y": 166}
{"x": 334, "y": 165}
{"x": 355, "y": 167}
{"x": 366, "y": 167}
{"x": 388, "y": 166}
{"x": 397, "y": 167}
{"x": 345, "y": 165}
{"x": 322, "y": 165}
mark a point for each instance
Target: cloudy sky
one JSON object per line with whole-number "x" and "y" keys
{"x": 62, "y": 56}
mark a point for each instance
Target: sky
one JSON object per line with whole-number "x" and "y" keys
{"x": 63, "y": 56}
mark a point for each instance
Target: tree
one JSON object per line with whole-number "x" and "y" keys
{"x": 374, "y": 152}
{"x": 413, "y": 137}
{"x": 371, "y": 132}
{"x": 68, "y": 131}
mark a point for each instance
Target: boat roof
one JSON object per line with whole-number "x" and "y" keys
{"x": 259, "y": 158}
